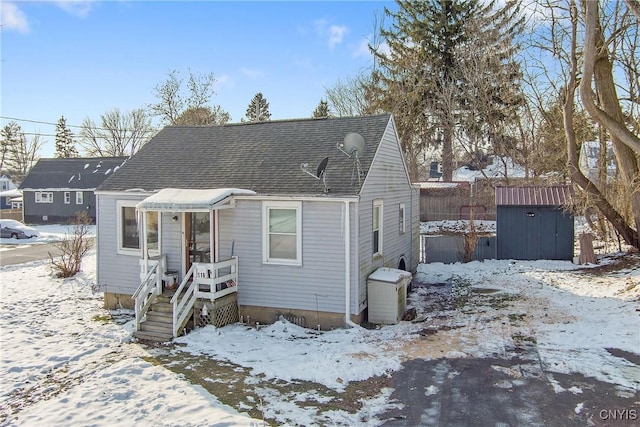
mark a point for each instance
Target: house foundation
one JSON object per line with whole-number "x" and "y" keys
{"x": 115, "y": 301}
{"x": 305, "y": 318}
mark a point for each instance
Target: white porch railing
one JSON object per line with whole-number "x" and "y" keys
{"x": 208, "y": 281}
{"x": 151, "y": 271}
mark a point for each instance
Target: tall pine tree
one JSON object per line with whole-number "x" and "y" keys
{"x": 65, "y": 146}
{"x": 258, "y": 110}
{"x": 423, "y": 77}
{"x": 322, "y": 110}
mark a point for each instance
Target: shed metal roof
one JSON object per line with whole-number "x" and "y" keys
{"x": 555, "y": 195}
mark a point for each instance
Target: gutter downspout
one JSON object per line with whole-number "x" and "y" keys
{"x": 347, "y": 268}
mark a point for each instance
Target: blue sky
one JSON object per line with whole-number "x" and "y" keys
{"x": 84, "y": 58}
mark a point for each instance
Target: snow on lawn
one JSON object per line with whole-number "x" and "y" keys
{"x": 62, "y": 364}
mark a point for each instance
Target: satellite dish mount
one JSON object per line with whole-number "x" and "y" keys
{"x": 353, "y": 146}
{"x": 321, "y": 172}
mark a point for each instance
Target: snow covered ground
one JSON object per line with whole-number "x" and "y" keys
{"x": 66, "y": 361}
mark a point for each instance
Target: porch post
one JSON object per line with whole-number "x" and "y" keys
{"x": 212, "y": 236}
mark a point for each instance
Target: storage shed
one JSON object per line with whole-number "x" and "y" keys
{"x": 532, "y": 223}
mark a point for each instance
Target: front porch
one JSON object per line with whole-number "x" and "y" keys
{"x": 206, "y": 295}
{"x": 182, "y": 226}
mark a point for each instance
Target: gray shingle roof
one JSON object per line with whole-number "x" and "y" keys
{"x": 77, "y": 173}
{"x": 263, "y": 157}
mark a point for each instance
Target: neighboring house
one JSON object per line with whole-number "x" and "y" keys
{"x": 533, "y": 223}
{"x": 242, "y": 209}
{"x": 56, "y": 189}
{"x": 8, "y": 190}
{"x": 589, "y": 161}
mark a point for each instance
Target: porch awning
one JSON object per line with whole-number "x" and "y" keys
{"x": 180, "y": 200}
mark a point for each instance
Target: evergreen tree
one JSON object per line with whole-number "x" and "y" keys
{"x": 322, "y": 110}
{"x": 423, "y": 77}
{"x": 18, "y": 154}
{"x": 258, "y": 110}
{"x": 9, "y": 138}
{"x": 65, "y": 147}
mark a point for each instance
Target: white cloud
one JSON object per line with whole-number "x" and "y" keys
{"x": 336, "y": 34}
{"x": 333, "y": 34}
{"x": 223, "y": 80}
{"x": 12, "y": 18}
{"x": 362, "y": 48}
{"x": 251, "y": 73}
{"x": 79, "y": 8}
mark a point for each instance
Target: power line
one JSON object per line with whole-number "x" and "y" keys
{"x": 71, "y": 126}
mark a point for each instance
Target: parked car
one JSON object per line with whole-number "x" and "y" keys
{"x": 12, "y": 229}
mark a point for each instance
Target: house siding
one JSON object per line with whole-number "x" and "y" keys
{"x": 386, "y": 180}
{"x": 312, "y": 286}
{"x": 58, "y": 211}
{"x": 116, "y": 273}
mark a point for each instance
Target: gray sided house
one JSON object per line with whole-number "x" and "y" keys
{"x": 56, "y": 189}
{"x": 532, "y": 223}
{"x": 287, "y": 217}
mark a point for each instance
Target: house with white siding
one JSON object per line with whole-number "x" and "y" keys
{"x": 255, "y": 221}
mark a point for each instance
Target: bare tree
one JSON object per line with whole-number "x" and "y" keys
{"x": 119, "y": 134}
{"x": 74, "y": 248}
{"x": 203, "y": 116}
{"x": 177, "y": 107}
{"x": 349, "y": 97}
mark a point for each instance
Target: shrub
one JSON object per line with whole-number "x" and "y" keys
{"x": 73, "y": 248}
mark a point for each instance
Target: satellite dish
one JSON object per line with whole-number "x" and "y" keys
{"x": 322, "y": 167}
{"x": 320, "y": 174}
{"x": 354, "y": 144}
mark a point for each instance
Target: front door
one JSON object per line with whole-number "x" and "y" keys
{"x": 198, "y": 237}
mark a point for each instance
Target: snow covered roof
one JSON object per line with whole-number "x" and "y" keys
{"x": 11, "y": 193}
{"x": 496, "y": 169}
{"x": 177, "y": 200}
{"x": 437, "y": 185}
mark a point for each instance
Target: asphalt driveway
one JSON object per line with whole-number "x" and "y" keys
{"x": 505, "y": 392}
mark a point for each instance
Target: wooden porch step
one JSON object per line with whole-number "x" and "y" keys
{"x": 160, "y": 316}
{"x": 150, "y": 325}
{"x": 163, "y": 307}
{"x": 153, "y": 336}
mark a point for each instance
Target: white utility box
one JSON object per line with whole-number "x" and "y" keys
{"x": 387, "y": 293}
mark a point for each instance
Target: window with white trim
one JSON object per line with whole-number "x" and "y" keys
{"x": 282, "y": 233}
{"x": 44, "y": 197}
{"x": 67, "y": 197}
{"x": 377, "y": 227}
{"x": 127, "y": 222}
{"x": 403, "y": 219}
{"x": 79, "y": 197}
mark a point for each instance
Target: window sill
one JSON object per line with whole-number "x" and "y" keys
{"x": 129, "y": 252}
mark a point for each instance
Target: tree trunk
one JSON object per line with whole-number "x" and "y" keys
{"x": 598, "y": 67}
{"x": 628, "y": 234}
{"x": 447, "y": 154}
